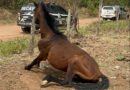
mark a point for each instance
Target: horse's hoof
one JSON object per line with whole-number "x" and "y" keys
{"x": 27, "y": 68}
{"x": 66, "y": 84}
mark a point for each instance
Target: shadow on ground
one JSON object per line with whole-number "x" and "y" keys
{"x": 101, "y": 85}
{"x": 80, "y": 85}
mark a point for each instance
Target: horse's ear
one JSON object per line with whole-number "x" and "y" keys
{"x": 35, "y": 4}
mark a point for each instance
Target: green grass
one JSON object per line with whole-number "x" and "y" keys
{"x": 13, "y": 47}
{"x": 120, "y": 57}
{"x": 106, "y": 27}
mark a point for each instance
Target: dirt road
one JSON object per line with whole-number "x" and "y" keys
{"x": 87, "y": 21}
{"x": 9, "y": 32}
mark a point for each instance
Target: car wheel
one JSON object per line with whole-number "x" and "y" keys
{"x": 128, "y": 17}
{"x": 26, "y": 29}
{"x": 114, "y": 18}
{"x": 105, "y": 19}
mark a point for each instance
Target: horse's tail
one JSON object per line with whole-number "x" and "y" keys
{"x": 101, "y": 85}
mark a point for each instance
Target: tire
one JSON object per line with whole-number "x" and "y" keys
{"x": 105, "y": 19}
{"x": 114, "y": 18}
{"x": 26, "y": 29}
{"x": 128, "y": 17}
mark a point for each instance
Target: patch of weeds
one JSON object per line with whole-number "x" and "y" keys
{"x": 107, "y": 27}
{"x": 120, "y": 57}
{"x": 103, "y": 65}
{"x": 129, "y": 38}
{"x": 113, "y": 50}
{"x": 13, "y": 47}
{"x": 84, "y": 31}
{"x": 3, "y": 62}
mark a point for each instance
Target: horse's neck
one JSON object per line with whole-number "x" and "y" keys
{"x": 45, "y": 30}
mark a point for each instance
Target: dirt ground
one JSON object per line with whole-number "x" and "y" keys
{"x": 105, "y": 49}
{"x": 11, "y": 31}
{"x": 8, "y": 32}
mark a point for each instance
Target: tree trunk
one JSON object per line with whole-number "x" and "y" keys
{"x": 99, "y": 19}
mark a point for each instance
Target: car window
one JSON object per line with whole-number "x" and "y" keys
{"x": 51, "y": 8}
{"x": 55, "y": 9}
{"x": 61, "y": 10}
{"x": 108, "y": 8}
{"x": 28, "y": 8}
{"x": 122, "y": 9}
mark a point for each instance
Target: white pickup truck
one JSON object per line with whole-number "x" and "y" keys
{"x": 113, "y": 12}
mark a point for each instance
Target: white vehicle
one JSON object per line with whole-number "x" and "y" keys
{"x": 113, "y": 12}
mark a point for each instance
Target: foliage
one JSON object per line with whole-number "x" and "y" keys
{"x": 14, "y": 4}
{"x": 123, "y": 3}
{"x": 91, "y": 4}
{"x": 13, "y": 47}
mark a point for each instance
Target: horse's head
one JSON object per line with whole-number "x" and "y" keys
{"x": 37, "y": 12}
{"x": 41, "y": 13}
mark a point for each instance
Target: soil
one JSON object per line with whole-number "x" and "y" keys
{"x": 105, "y": 49}
{"x": 11, "y": 31}
{"x": 86, "y": 22}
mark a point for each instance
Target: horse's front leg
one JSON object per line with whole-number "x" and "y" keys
{"x": 69, "y": 76}
{"x": 35, "y": 61}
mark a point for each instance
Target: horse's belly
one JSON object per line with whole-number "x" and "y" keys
{"x": 59, "y": 64}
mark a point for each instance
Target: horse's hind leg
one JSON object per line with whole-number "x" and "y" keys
{"x": 66, "y": 82}
{"x": 35, "y": 62}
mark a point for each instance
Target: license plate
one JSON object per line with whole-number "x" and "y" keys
{"x": 22, "y": 23}
{"x": 25, "y": 16}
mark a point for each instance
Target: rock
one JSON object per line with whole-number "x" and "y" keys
{"x": 114, "y": 77}
{"x": 117, "y": 67}
{"x": 44, "y": 82}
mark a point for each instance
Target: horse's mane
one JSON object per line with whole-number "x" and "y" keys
{"x": 50, "y": 20}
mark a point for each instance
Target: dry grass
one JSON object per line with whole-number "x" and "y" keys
{"x": 7, "y": 16}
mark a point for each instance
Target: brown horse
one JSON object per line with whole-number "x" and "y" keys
{"x": 60, "y": 53}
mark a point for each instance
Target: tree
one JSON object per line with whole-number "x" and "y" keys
{"x": 73, "y": 5}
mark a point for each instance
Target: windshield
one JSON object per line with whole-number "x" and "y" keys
{"x": 29, "y": 7}
{"x": 56, "y": 9}
{"x": 108, "y": 8}
{"x": 61, "y": 10}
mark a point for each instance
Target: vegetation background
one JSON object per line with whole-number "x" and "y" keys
{"x": 90, "y": 5}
